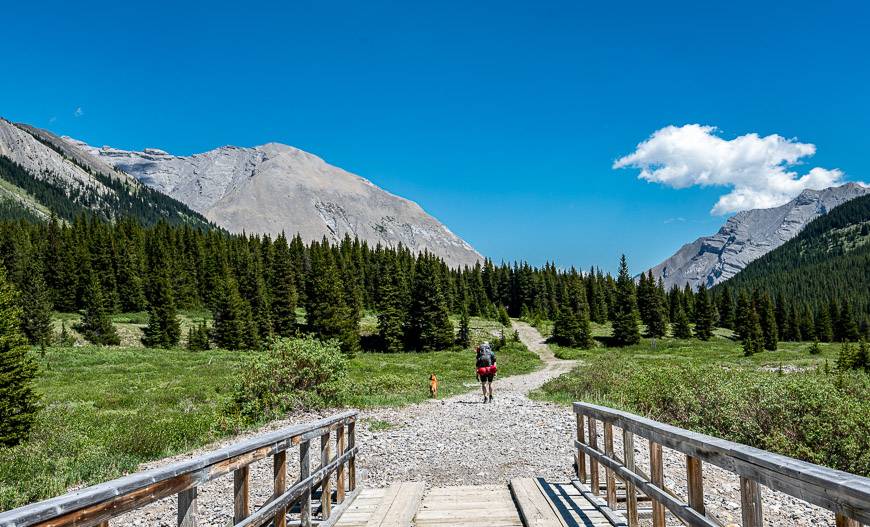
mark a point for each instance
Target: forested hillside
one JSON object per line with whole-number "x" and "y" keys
{"x": 827, "y": 264}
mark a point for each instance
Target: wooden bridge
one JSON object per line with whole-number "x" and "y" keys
{"x": 330, "y": 494}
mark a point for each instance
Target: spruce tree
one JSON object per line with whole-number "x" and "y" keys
{"x": 815, "y": 348}
{"x": 823, "y": 325}
{"x": 327, "y": 313}
{"x": 163, "y": 329}
{"x": 726, "y": 309}
{"x": 503, "y": 317}
{"x": 19, "y": 402}
{"x": 681, "y": 328}
{"x": 704, "y": 316}
{"x": 752, "y": 337}
{"x": 862, "y": 356}
{"x": 847, "y": 326}
{"x": 283, "y": 291}
{"x": 231, "y": 317}
{"x": 657, "y": 325}
{"x": 625, "y": 327}
{"x": 428, "y": 326}
{"x": 743, "y": 315}
{"x": 846, "y": 356}
{"x": 391, "y": 308}
{"x": 767, "y": 317}
{"x": 198, "y": 337}
{"x": 36, "y": 307}
{"x": 96, "y": 325}
{"x": 464, "y": 336}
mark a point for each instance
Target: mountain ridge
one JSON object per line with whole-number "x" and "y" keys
{"x": 747, "y": 236}
{"x": 274, "y": 188}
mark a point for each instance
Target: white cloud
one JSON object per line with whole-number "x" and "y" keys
{"x": 79, "y": 112}
{"x": 759, "y": 170}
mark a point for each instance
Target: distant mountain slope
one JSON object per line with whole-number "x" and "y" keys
{"x": 274, "y": 188}
{"x": 749, "y": 235}
{"x": 829, "y": 259}
{"x": 40, "y": 174}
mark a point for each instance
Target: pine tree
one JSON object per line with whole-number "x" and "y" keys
{"x": 823, "y": 326}
{"x": 743, "y": 315}
{"x": 198, "y": 337}
{"x": 36, "y": 306}
{"x": 767, "y": 316}
{"x": 846, "y": 357}
{"x": 862, "y": 356}
{"x": 391, "y": 308}
{"x": 283, "y": 291}
{"x": 231, "y": 317}
{"x": 847, "y": 326}
{"x": 681, "y": 327}
{"x": 657, "y": 325}
{"x": 726, "y": 309}
{"x": 464, "y": 336}
{"x": 163, "y": 329}
{"x": 503, "y": 317}
{"x": 625, "y": 328}
{"x": 19, "y": 402}
{"x": 704, "y": 316}
{"x": 428, "y": 326}
{"x": 753, "y": 339}
{"x": 328, "y": 315}
{"x": 95, "y": 325}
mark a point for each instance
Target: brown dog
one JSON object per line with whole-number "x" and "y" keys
{"x": 433, "y": 386}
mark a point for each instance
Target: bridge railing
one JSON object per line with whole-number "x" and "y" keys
{"x": 846, "y": 495}
{"x": 97, "y": 505}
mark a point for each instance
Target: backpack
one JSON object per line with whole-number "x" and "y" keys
{"x": 484, "y": 358}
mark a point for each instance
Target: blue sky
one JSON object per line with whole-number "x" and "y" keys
{"x": 501, "y": 119}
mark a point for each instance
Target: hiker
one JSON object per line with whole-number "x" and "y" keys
{"x": 486, "y": 369}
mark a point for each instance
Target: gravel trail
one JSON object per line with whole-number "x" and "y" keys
{"x": 462, "y": 441}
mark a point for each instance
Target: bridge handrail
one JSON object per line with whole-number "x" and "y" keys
{"x": 96, "y": 505}
{"x": 846, "y": 495}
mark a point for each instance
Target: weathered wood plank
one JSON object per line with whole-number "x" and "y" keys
{"x": 581, "y": 456}
{"x": 695, "y": 483}
{"x": 750, "y": 503}
{"x": 630, "y": 491}
{"x": 608, "y": 473}
{"x": 339, "y": 474}
{"x": 325, "y": 489}
{"x": 304, "y": 473}
{"x": 279, "y": 484}
{"x": 657, "y": 476}
{"x": 241, "y": 484}
{"x": 351, "y": 465}
{"x": 186, "y": 508}
{"x": 593, "y": 462}
{"x": 399, "y": 505}
{"x": 533, "y": 506}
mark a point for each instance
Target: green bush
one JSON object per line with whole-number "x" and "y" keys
{"x": 294, "y": 374}
{"x": 821, "y": 418}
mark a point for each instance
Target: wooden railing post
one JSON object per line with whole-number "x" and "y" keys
{"x": 594, "y": 482}
{"x": 657, "y": 476}
{"x": 339, "y": 473}
{"x": 304, "y": 472}
{"x": 351, "y": 465}
{"x": 325, "y": 488}
{"x": 279, "y": 478}
{"x": 241, "y": 483}
{"x": 609, "y": 475}
{"x": 695, "y": 483}
{"x": 630, "y": 491}
{"x": 843, "y": 521}
{"x": 581, "y": 456}
{"x": 186, "y": 508}
{"x": 750, "y": 503}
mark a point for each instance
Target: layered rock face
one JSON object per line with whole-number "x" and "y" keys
{"x": 276, "y": 188}
{"x": 748, "y": 235}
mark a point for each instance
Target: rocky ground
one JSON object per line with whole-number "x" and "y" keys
{"x": 461, "y": 441}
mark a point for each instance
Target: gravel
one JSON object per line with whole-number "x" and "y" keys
{"x": 462, "y": 441}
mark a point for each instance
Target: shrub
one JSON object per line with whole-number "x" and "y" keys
{"x": 821, "y": 418}
{"x": 294, "y": 374}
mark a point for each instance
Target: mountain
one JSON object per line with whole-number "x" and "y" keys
{"x": 40, "y": 173}
{"x": 828, "y": 260}
{"x": 749, "y": 235}
{"x": 274, "y": 188}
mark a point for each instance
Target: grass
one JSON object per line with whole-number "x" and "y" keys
{"x": 109, "y": 409}
{"x": 380, "y": 425}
